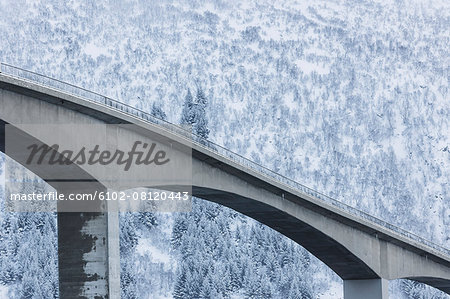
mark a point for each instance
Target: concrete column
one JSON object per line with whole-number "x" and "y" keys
{"x": 113, "y": 251}
{"x": 82, "y": 255}
{"x": 88, "y": 253}
{"x": 366, "y": 289}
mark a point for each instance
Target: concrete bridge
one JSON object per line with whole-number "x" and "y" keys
{"x": 364, "y": 251}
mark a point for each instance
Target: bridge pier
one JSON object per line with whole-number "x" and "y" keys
{"x": 88, "y": 255}
{"x": 82, "y": 255}
{"x": 113, "y": 251}
{"x": 366, "y": 289}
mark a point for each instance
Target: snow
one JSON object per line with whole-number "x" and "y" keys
{"x": 335, "y": 291}
{"x": 94, "y": 50}
{"x": 308, "y": 67}
{"x": 157, "y": 255}
{"x": 348, "y": 62}
{"x": 4, "y": 291}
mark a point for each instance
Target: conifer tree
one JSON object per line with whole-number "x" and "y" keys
{"x": 158, "y": 112}
{"x": 187, "y": 115}
{"x": 200, "y": 125}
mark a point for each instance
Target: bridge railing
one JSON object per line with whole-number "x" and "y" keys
{"x": 204, "y": 143}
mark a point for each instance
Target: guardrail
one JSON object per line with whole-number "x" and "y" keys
{"x": 88, "y": 95}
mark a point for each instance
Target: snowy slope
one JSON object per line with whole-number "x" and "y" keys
{"x": 354, "y": 94}
{"x": 351, "y": 97}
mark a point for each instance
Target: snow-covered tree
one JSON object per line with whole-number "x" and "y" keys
{"x": 200, "y": 125}
{"x": 187, "y": 114}
{"x": 158, "y": 112}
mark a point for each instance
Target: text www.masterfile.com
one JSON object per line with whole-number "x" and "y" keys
{"x": 101, "y": 195}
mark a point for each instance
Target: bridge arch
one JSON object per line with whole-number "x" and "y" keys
{"x": 273, "y": 211}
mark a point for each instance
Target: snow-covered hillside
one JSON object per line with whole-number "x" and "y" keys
{"x": 350, "y": 98}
